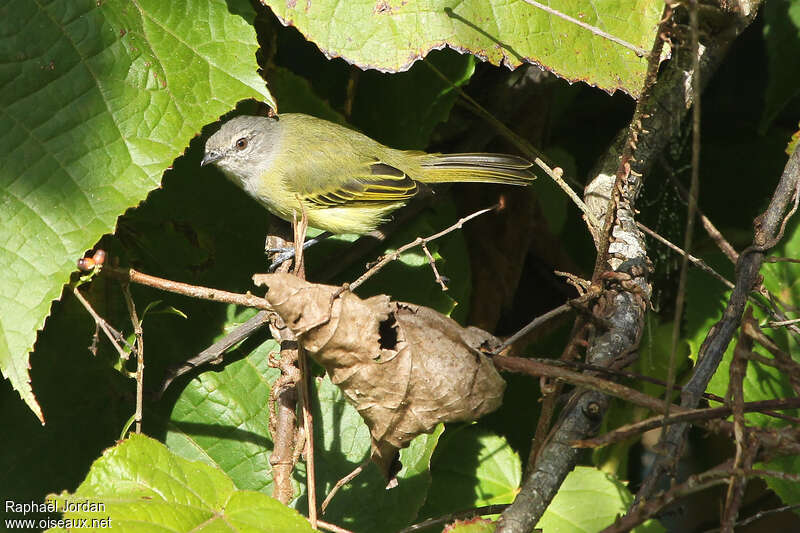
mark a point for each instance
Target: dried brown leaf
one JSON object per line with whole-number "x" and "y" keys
{"x": 404, "y": 367}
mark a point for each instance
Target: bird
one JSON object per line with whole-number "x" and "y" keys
{"x": 342, "y": 180}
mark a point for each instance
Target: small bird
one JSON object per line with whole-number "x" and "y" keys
{"x": 344, "y": 181}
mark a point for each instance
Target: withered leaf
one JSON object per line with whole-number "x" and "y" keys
{"x": 404, "y": 367}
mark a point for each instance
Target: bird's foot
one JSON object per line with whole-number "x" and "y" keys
{"x": 279, "y": 256}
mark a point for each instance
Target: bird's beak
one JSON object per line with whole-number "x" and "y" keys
{"x": 210, "y": 157}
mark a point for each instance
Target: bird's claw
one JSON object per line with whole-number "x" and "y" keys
{"x": 279, "y": 256}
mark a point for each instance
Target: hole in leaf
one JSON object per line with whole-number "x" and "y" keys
{"x": 387, "y": 330}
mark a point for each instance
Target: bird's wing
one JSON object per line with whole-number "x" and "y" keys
{"x": 376, "y": 183}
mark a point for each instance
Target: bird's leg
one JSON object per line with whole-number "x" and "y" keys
{"x": 281, "y": 255}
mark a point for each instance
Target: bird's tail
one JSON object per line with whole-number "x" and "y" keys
{"x": 482, "y": 168}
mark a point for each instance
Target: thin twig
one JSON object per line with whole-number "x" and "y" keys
{"x": 692, "y": 485}
{"x": 636, "y": 377}
{"x": 213, "y": 354}
{"x": 113, "y": 335}
{"x": 744, "y": 454}
{"x": 137, "y": 331}
{"x": 388, "y": 258}
{"x": 341, "y": 483}
{"x": 699, "y": 263}
{"x": 638, "y": 50}
{"x": 327, "y": 526}
{"x": 539, "y": 367}
{"x": 283, "y": 426}
{"x": 305, "y": 379}
{"x": 533, "y": 324}
{"x": 432, "y": 262}
{"x": 556, "y": 174}
{"x": 695, "y": 415}
{"x": 694, "y": 191}
{"x": 712, "y": 231}
{"x": 774, "y": 259}
{"x": 460, "y": 515}
{"x": 185, "y": 289}
{"x": 781, "y": 323}
{"x": 759, "y": 515}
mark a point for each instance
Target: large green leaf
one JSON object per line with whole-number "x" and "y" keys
{"x": 139, "y": 485}
{"x": 221, "y": 418}
{"x": 392, "y": 35}
{"x": 589, "y": 500}
{"x": 472, "y": 467}
{"x": 96, "y": 100}
{"x": 342, "y": 443}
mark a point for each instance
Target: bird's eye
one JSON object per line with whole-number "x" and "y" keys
{"x": 241, "y": 144}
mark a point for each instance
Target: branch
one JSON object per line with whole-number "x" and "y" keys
{"x": 139, "y": 334}
{"x": 192, "y": 291}
{"x": 693, "y": 415}
{"x": 419, "y": 241}
{"x": 768, "y": 230}
{"x": 622, "y": 261}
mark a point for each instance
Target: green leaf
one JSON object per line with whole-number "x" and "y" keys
{"x": 221, "y": 418}
{"x": 472, "y": 467}
{"x": 588, "y": 501}
{"x": 140, "y": 486}
{"x": 342, "y": 442}
{"x": 476, "y": 525}
{"x": 96, "y": 100}
{"x": 420, "y": 99}
{"x": 296, "y": 95}
{"x": 782, "y": 36}
{"x": 392, "y": 35}
{"x": 788, "y": 491}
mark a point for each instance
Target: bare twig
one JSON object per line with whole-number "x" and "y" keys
{"x": 213, "y": 354}
{"x": 692, "y": 485}
{"x": 432, "y": 262}
{"x": 695, "y": 415}
{"x": 305, "y": 378}
{"x": 282, "y": 419}
{"x": 782, "y": 323}
{"x": 782, "y": 360}
{"x": 556, "y": 174}
{"x": 538, "y": 367}
{"x": 327, "y": 526}
{"x": 113, "y": 335}
{"x": 694, "y": 190}
{"x": 699, "y": 263}
{"x": 283, "y": 399}
{"x": 533, "y": 324}
{"x": 388, "y": 258}
{"x": 712, "y": 231}
{"x": 137, "y": 331}
{"x": 341, "y": 483}
{"x": 460, "y": 515}
{"x": 759, "y": 515}
{"x": 638, "y": 50}
{"x": 185, "y": 289}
